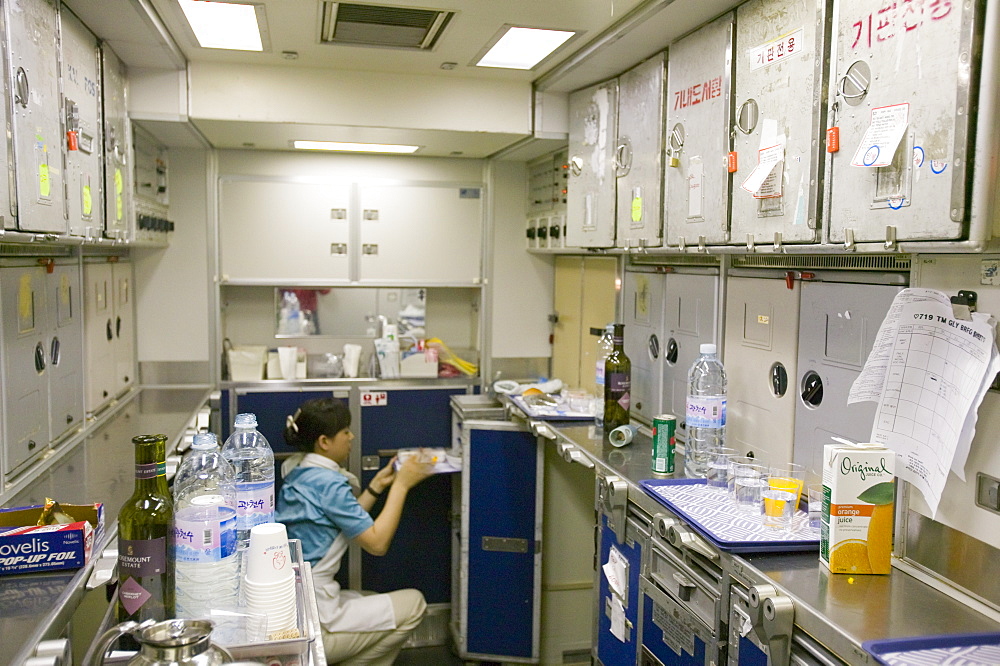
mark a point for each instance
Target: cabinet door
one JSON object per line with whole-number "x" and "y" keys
{"x": 698, "y": 98}
{"x": 420, "y": 554}
{"x": 26, "y": 399}
{"x": 643, "y": 317}
{"x": 639, "y": 155}
{"x": 272, "y": 409}
{"x": 671, "y": 633}
{"x": 118, "y": 221}
{"x": 780, "y": 78}
{"x": 124, "y": 327}
{"x": 593, "y": 126}
{"x": 37, "y": 130}
{"x": 911, "y": 178}
{"x": 65, "y": 348}
{"x": 99, "y": 335}
{"x": 426, "y": 234}
{"x": 622, "y": 649}
{"x": 283, "y": 231}
{"x": 82, "y": 108}
{"x": 501, "y": 525}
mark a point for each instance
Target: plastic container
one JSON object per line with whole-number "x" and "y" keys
{"x": 206, "y": 561}
{"x": 253, "y": 462}
{"x": 605, "y": 344}
{"x": 705, "y": 413}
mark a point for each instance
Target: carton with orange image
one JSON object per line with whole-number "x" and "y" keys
{"x": 858, "y": 506}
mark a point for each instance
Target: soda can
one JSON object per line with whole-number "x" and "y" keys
{"x": 664, "y": 427}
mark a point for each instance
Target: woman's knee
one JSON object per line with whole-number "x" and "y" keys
{"x": 409, "y": 607}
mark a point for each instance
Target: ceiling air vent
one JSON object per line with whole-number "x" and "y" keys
{"x": 381, "y": 25}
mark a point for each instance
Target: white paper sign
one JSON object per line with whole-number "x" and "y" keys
{"x": 933, "y": 371}
{"x": 696, "y": 178}
{"x": 767, "y": 160}
{"x": 617, "y": 618}
{"x": 878, "y": 145}
{"x": 616, "y": 571}
{"x": 776, "y": 50}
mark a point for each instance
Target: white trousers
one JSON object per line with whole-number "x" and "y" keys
{"x": 378, "y": 647}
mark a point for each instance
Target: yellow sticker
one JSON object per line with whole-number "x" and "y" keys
{"x": 24, "y": 299}
{"x": 44, "y": 186}
{"x": 118, "y": 208}
{"x": 88, "y": 201}
{"x": 118, "y": 182}
{"x": 64, "y": 289}
{"x": 763, "y": 319}
{"x": 637, "y": 209}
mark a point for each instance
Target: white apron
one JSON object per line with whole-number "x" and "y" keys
{"x": 344, "y": 610}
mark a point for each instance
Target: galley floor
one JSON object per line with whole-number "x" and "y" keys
{"x": 429, "y": 656}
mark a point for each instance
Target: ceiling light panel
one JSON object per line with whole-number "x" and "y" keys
{"x": 348, "y": 147}
{"x": 225, "y": 25}
{"x": 523, "y": 48}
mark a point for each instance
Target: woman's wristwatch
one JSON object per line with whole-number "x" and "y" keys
{"x": 371, "y": 491}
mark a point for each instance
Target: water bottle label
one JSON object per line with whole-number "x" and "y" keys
{"x": 706, "y": 411}
{"x": 254, "y": 503}
{"x": 205, "y": 539}
{"x": 600, "y": 372}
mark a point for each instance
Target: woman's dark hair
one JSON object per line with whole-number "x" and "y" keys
{"x": 320, "y": 416}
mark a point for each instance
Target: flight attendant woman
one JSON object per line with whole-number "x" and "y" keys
{"x": 321, "y": 504}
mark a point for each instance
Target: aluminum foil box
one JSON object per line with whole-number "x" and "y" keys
{"x": 26, "y": 548}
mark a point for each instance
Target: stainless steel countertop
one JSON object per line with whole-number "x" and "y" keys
{"x": 838, "y": 610}
{"x": 97, "y": 468}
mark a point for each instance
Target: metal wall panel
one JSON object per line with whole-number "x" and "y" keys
{"x": 593, "y": 126}
{"x": 25, "y": 360}
{"x": 780, "y": 88}
{"x": 32, "y": 30}
{"x": 643, "y": 319}
{"x": 639, "y": 155}
{"x": 124, "y": 326}
{"x": 98, "y": 324}
{"x": 81, "y": 81}
{"x": 8, "y": 200}
{"x": 837, "y": 329}
{"x": 118, "y": 188}
{"x": 690, "y": 317}
{"x": 760, "y": 355}
{"x": 699, "y": 102}
{"x": 65, "y": 348}
{"x": 917, "y": 63}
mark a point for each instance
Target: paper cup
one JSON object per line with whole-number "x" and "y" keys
{"x": 268, "y": 560}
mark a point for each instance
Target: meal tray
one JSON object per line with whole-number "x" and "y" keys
{"x": 548, "y": 413}
{"x": 709, "y": 511}
{"x": 954, "y": 649}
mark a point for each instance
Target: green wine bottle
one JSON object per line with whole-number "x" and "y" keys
{"x": 145, "y": 549}
{"x": 617, "y": 382}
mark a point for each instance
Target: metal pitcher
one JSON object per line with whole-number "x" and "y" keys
{"x": 167, "y": 643}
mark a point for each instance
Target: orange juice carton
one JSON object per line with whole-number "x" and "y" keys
{"x": 858, "y": 505}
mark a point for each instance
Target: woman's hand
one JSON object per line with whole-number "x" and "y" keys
{"x": 384, "y": 477}
{"x": 414, "y": 470}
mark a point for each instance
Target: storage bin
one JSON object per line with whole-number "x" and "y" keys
{"x": 246, "y": 363}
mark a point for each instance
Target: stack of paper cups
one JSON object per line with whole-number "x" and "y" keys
{"x": 269, "y": 579}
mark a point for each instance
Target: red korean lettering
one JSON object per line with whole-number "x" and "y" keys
{"x": 861, "y": 32}
{"x": 883, "y": 27}
{"x": 677, "y": 100}
{"x": 770, "y": 54}
{"x": 911, "y": 15}
{"x": 781, "y": 49}
{"x": 696, "y": 93}
{"x": 715, "y": 87}
{"x": 791, "y": 46}
{"x": 939, "y": 9}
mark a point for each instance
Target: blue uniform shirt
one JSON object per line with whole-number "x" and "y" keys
{"x": 316, "y": 504}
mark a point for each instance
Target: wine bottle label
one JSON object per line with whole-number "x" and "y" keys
{"x": 201, "y": 538}
{"x": 254, "y": 503}
{"x": 139, "y": 558}
{"x": 619, "y": 381}
{"x": 150, "y": 470}
{"x": 625, "y": 401}
{"x": 706, "y": 411}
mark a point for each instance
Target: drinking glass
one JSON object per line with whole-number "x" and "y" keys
{"x": 778, "y": 508}
{"x": 814, "y": 495}
{"x": 749, "y": 483}
{"x": 731, "y": 477}
{"x": 718, "y": 467}
{"x": 788, "y": 477}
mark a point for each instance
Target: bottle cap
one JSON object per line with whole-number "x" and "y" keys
{"x": 204, "y": 440}
{"x": 245, "y": 421}
{"x": 708, "y": 348}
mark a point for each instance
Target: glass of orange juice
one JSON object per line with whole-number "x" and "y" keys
{"x": 788, "y": 477}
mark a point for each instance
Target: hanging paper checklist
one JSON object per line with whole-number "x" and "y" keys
{"x": 616, "y": 571}
{"x": 881, "y": 139}
{"x": 931, "y": 370}
{"x": 767, "y": 160}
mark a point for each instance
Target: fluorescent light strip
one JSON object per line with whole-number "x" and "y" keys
{"x": 355, "y": 147}
{"x": 523, "y": 48}
{"x": 223, "y": 25}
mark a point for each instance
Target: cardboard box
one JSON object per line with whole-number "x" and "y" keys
{"x": 26, "y": 548}
{"x": 858, "y": 509}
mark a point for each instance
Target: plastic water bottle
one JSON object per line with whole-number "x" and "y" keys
{"x": 605, "y": 345}
{"x": 706, "y": 412}
{"x": 251, "y": 457}
{"x": 204, "y": 534}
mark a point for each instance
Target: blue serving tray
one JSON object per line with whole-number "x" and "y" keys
{"x": 954, "y": 649}
{"x": 709, "y": 512}
{"x": 545, "y": 413}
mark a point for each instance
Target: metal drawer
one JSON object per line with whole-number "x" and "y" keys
{"x": 690, "y": 587}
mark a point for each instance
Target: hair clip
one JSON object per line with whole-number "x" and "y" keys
{"x": 290, "y": 422}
